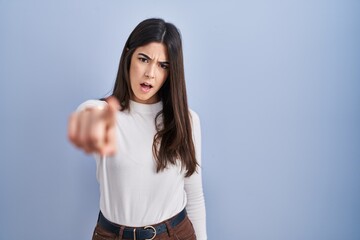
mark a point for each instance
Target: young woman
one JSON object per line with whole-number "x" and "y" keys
{"x": 146, "y": 142}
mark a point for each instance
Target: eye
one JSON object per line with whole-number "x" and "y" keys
{"x": 164, "y": 66}
{"x": 144, "y": 60}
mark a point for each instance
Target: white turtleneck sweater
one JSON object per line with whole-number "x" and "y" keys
{"x": 132, "y": 193}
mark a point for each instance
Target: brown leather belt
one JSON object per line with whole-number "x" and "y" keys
{"x": 140, "y": 233}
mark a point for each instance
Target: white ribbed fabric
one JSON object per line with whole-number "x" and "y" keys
{"x": 131, "y": 192}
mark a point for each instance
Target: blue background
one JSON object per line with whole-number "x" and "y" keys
{"x": 276, "y": 85}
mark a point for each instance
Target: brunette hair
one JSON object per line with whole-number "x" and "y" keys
{"x": 173, "y": 139}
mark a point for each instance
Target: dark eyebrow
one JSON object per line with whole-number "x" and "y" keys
{"x": 147, "y": 57}
{"x": 144, "y": 55}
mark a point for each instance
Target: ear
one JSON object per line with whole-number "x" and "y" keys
{"x": 127, "y": 49}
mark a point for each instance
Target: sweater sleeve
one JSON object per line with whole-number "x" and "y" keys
{"x": 193, "y": 186}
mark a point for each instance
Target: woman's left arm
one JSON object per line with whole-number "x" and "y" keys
{"x": 193, "y": 186}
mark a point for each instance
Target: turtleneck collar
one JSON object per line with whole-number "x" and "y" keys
{"x": 145, "y": 108}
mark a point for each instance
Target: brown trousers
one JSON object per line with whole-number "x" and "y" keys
{"x": 183, "y": 231}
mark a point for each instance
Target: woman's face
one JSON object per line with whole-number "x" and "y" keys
{"x": 149, "y": 68}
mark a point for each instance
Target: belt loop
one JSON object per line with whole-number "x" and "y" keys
{"x": 169, "y": 228}
{"x": 121, "y": 232}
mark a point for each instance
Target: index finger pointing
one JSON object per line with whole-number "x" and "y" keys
{"x": 113, "y": 103}
{"x": 108, "y": 112}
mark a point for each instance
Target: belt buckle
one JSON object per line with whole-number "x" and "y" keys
{"x": 147, "y": 227}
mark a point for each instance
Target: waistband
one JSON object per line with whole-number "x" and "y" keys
{"x": 141, "y": 233}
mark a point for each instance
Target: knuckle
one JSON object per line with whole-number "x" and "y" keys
{"x": 73, "y": 139}
{"x": 93, "y": 137}
{"x": 83, "y": 139}
{"x": 71, "y": 136}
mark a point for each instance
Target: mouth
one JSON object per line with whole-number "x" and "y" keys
{"x": 146, "y": 86}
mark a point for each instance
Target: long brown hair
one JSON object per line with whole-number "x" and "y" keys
{"x": 173, "y": 139}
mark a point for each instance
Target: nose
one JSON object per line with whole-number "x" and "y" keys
{"x": 150, "y": 71}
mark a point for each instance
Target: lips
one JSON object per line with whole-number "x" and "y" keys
{"x": 145, "y": 84}
{"x": 146, "y": 87}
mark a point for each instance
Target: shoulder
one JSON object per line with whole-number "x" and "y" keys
{"x": 194, "y": 117}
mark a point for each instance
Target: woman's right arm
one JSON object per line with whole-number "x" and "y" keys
{"x": 91, "y": 126}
